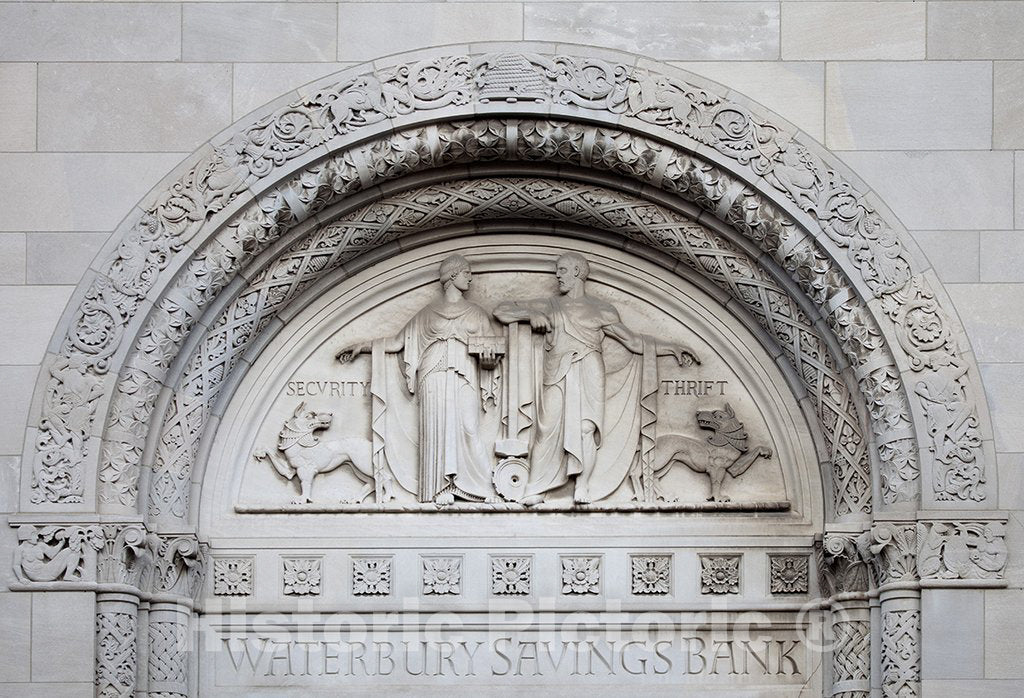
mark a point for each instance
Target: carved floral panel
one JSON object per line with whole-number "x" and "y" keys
{"x": 442, "y": 576}
{"x": 233, "y": 576}
{"x": 581, "y": 575}
{"x": 511, "y": 575}
{"x": 302, "y": 576}
{"x": 789, "y": 574}
{"x": 720, "y": 574}
{"x": 651, "y": 574}
{"x": 371, "y": 576}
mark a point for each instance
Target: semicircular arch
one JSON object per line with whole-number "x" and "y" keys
{"x": 666, "y": 130}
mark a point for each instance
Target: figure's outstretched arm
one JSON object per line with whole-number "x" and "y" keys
{"x": 534, "y": 312}
{"x": 625, "y": 336}
{"x": 392, "y": 345}
{"x": 635, "y": 343}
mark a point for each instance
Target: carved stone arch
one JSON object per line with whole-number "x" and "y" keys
{"x": 195, "y": 243}
{"x": 787, "y": 322}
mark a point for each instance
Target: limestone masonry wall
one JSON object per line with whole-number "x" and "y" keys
{"x": 924, "y": 100}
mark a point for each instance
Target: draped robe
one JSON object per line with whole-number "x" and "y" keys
{"x": 436, "y": 369}
{"x": 577, "y": 386}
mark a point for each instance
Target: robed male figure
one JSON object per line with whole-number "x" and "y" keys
{"x": 592, "y": 420}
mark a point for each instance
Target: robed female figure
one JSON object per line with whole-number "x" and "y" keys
{"x": 451, "y": 387}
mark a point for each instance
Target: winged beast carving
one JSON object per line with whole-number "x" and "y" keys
{"x": 724, "y": 452}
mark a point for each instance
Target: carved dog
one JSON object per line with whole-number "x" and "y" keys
{"x": 306, "y": 456}
{"x": 724, "y": 452}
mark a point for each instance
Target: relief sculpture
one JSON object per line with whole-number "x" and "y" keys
{"x": 725, "y": 452}
{"x": 439, "y": 366}
{"x": 305, "y": 456}
{"x": 549, "y": 401}
{"x": 592, "y": 418}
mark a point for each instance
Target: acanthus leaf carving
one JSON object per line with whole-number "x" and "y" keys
{"x": 893, "y": 552}
{"x": 126, "y": 556}
{"x": 843, "y": 564}
{"x": 179, "y": 565}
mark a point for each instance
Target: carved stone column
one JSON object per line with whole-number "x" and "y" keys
{"x": 177, "y": 579}
{"x": 845, "y": 581}
{"x": 122, "y": 562}
{"x": 893, "y": 550}
{"x": 116, "y": 644}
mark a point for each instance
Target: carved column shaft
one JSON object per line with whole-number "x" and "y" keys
{"x": 851, "y": 648}
{"x": 116, "y": 644}
{"x": 845, "y": 578}
{"x": 169, "y": 651}
{"x": 892, "y": 552}
{"x": 901, "y": 642}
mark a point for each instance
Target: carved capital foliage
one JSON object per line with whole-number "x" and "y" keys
{"x": 179, "y": 565}
{"x": 951, "y": 550}
{"x": 893, "y": 552}
{"x": 122, "y": 554}
{"x": 842, "y": 564}
{"x": 126, "y": 557}
{"x": 609, "y": 90}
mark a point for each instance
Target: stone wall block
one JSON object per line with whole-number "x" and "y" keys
{"x": 1004, "y": 633}
{"x": 853, "y": 30}
{"x": 61, "y": 258}
{"x": 953, "y": 254}
{"x": 953, "y": 625}
{"x": 255, "y": 84}
{"x": 15, "y": 640}
{"x": 90, "y": 31}
{"x": 975, "y": 30}
{"x": 890, "y": 106}
{"x": 1000, "y": 252}
{"x": 132, "y": 107}
{"x": 1008, "y": 104}
{"x": 1002, "y": 387}
{"x": 405, "y": 26}
{"x": 10, "y": 477}
{"x": 1018, "y": 193}
{"x": 993, "y": 316}
{"x": 28, "y": 315}
{"x": 260, "y": 32}
{"x": 18, "y": 383}
{"x": 795, "y": 90}
{"x": 75, "y": 191}
{"x": 692, "y": 31}
{"x": 18, "y": 106}
{"x": 950, "y": 190}
{"x": 12, "y": 258}
{"x": 63, "y": 633}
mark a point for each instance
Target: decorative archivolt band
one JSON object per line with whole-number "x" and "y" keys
{"x": 626, "y": 98}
